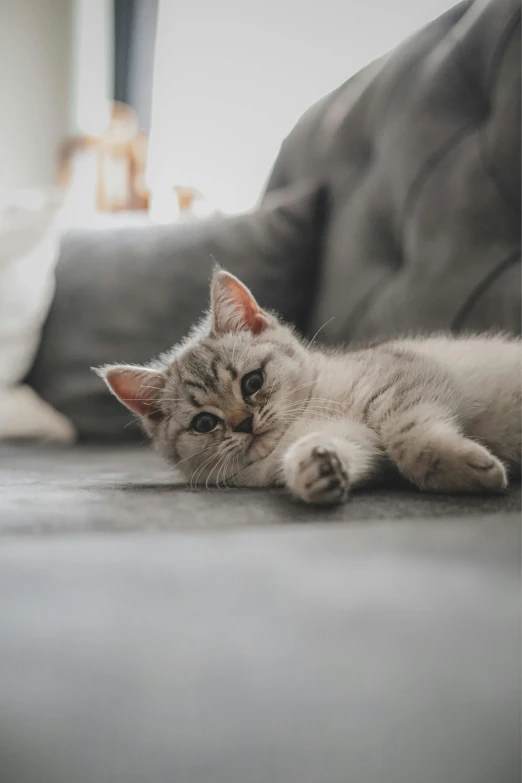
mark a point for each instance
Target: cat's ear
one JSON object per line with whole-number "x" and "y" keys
{"x": 233, "y": 308}
{"x": 138, "y": 388}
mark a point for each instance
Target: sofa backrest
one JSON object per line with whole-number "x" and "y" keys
{"x": 394, "y": 206}
{"x": 419, "y": 155}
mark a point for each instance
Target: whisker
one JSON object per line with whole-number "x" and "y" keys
{"x": 223, "y": 464}
{"x": 314, "y": 416}
{"x": 296, "y": 409}
{"x": 195, "y": 476}
{"x": 320, "y": 329}
{"x": 296, "y": 412}
{"x": 315, "y": 399}
{"x": 192, "y": 455}
{"x": 135, "y": 420}
{"x": 292, "y": 391}
{"x": 275, "y": 381}
{"x": 225, "y": 468}
{"x": 236, "y": 470}
{"x": 233, "y": 456}
{"x": 198, "y": 472}
{"x": 316, "y": 419}
{"x": 299, "y": 411}
{"x": 221, "y": 458}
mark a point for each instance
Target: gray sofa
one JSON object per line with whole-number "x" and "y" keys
{"x": 233, "y": 636}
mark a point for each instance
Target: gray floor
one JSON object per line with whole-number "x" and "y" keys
{"x": 375, "y": 643}
{"x": 350, "y": 654}
{"x": 61, "y": 490}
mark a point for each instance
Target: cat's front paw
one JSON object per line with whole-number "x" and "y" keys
{"x": 314, "y": 471}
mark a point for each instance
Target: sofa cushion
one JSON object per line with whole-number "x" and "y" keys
{"x": 420, "y": 158}
{"x": 393, "y": 207}
{"x": 126, "y": 295}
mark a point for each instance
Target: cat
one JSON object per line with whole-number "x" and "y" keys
{"x": 245, "y": 401}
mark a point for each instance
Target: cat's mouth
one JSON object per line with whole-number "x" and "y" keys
{"x": 260, "y": 445}
{"x": 256, "y": 439}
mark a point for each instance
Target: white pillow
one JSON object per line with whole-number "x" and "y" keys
{"x": 29, "y": 245}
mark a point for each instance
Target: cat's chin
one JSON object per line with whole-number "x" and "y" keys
{"x": 261, "y": 446}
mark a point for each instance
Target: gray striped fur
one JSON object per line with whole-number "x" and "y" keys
{"x": 445, "y": 412}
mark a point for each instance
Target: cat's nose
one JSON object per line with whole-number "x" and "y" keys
{"x": 245, "y": 425}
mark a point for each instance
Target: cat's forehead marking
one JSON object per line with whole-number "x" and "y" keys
{"x": 199, "y": 368}
{"x": 195, "y": 402}
{"x": 193, "y": 384}
{"x": 214, "y": 363}
{"x": 202, "y": 378}
{"x": 232, "y": 371}
{"x": 207, "y": 372}
{"x": 268, "y": 358}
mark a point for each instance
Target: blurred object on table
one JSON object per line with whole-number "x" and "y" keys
{"x": 107, "y": 173}
{"x": 180, "y": 203}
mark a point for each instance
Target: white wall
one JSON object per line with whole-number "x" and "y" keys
{"x": 232, "y": 77}
{"x": 35, "y": 40}
{"x": 91, "y": 66}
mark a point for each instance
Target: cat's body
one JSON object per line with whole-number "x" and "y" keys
{"x": 245, "y": 402}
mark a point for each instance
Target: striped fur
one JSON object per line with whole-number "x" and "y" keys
{"x": 444, "y": 412}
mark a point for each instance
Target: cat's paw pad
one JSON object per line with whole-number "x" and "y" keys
{"x": 315, "y": 472}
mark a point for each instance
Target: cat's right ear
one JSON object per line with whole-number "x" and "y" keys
{"x": 138, "y": 388}
{"x": 233, "y": 308}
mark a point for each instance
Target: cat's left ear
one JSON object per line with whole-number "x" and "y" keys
{"x": 233, "y": 308}
{"x": 138, "y": 388}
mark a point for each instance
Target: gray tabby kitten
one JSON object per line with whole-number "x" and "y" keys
{"x": 243, "y": 400}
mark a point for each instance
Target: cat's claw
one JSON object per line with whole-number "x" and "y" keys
{"x": 315, "y": 472}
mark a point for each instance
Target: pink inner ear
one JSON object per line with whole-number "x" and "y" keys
{"x": 138, "y": 390}
{"x": 258, "y": 323}
{"x": 252, "y": 315}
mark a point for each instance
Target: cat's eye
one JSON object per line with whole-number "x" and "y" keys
{"x": 251, "y": 383}
{"x": 204, "y": 422}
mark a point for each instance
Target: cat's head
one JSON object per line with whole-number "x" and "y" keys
{"x": 222, "y": 400}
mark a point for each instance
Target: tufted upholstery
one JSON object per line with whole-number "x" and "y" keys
{"x": 394, "y": 206}
{"x": 419, "y": 155}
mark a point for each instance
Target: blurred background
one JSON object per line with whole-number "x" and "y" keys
{"x": 161, "y": 110}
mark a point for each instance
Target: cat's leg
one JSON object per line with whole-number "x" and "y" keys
{"x": 327, "y": 458}
{"x": 428, "y": 448}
